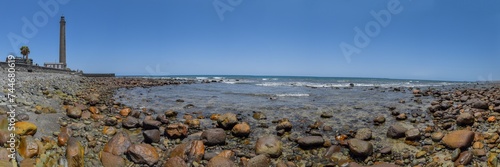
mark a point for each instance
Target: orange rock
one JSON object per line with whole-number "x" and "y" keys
{"x": 94, "y": 110}
{"x": 110, "y": 160}
{"x": 28, "y": 147}
{"x": 25, "y": 128}
{"x": 143, "y": 154}
{"x": 124, "y": 112}
{"x": 97, "y": 116}
{"x": 214, "y": 117}
{"x": 177, "y": 130}
{"x": 74, "y": 153}
{"x": 226, "y": 154}
{"x": 241, "y": 129}
{"x": 175, "y": 162}
{"x": 197, "y": 150}
{"x": 492, "y": 119}
{"x": 118, "y": 144}
{"x": 458, "y": 139}
{"x": 219, "y": 161}
{"x": 109, "y": 130}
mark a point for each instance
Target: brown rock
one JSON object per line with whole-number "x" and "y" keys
{"x": 396, "y": 131}
{"x": 178, "y": 130}
{"x": 360, "y": 148}
{"x": 25, "y": 128}
{"x": 111, "y": 121}
{"x": 143, "y": 154}
{"x": 412, "y": 134}
{"x": 193, "y": 123}
{"x": 125, "y": 112}
{"x": 219, "y": 161}
{"x": 464, "y": 158}
{"x": 94, "y": 110}
{"x": 131, "y": 122}
{"x": 109, "y": 130}
{"x": 151, "y": 136}
{"x": 118, "y": 144}
{"x": 310, "y": 141}
{"x": 4, "y": 137}
{"x": 74, "y": 112}
{"x": 162, "y": 118}
{"x": 175, "y": 162}
{"x": 458, "y": 139}
{"x": 241, "y": 129}
{"x": 270, "y": 145}
{"x": 465, "y": 119}
{"x": 479, "y": 104}
{"x": 151, "y": 124}
{"x": 196, "y": 151}
{"x": 214, "y": 117}
{"x": 181, "y": 150}
{"x": 364, "y": 134}
{"x": 227, "y": 121}
{"x": 74, "y": 153}
{"x": 216, "y": 136}
{"x": 379, "y": 120}
{"x": 284, "y": 124}
{"x": 226, "y": 154}
{"x": 62, "y": 138}
{"x": 170, "y": 113}
{"x": 259, "y": 161}
{"x": 259, "y": 116}
{"x": 28, "y": 147}
{"x": 437, "y": 136}
{"x": 110, "y": 160}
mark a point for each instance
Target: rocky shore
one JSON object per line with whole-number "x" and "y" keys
{"x": 67, "y": 120}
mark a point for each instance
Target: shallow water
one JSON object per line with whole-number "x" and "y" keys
{"x": 352, "y": 108}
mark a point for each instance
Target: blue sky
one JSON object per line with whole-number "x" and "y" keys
{"x": 441, "y": 40}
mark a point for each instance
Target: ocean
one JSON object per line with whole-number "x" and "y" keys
{"x": 353, "y": 102}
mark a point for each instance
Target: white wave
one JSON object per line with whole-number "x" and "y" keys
{"x": 218, "y": 78}
{"x": 201, "y": 78}
{"x": 265, "y": 79}
{"x": 293, "y": 95}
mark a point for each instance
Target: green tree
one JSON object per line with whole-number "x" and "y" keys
{"x": 25, "y": 51}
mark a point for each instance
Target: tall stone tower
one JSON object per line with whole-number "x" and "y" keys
{"x": 62, "y": 42}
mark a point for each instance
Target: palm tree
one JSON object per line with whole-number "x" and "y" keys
{"x": 25, "y": 51}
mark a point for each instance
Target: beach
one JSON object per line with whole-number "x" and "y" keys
{"x": 70, "y": 120}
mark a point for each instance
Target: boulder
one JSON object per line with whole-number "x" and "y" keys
{"x": 269, "y": 145}
{"x": 28, "y": 147}
{"x": 216, "y": 136}
{"x": 75, "y": 153}
{"x": 364, "y": 134}
{"x": 177, "y": 130}
{"x": 311, "y": 141}
{"x": 360, "y": 148}
{"x": 74, "y": 112}
{"x": 412, "y": 134}
{"x": 118, "y": 144}
{"x": 479, "y": 104}
{"x": 25, "y": 128}
{"x": 458, "y": 139}
{"x": 143, "y": 154}
{"x": 219, "y": 161}
{"x": 465, "y": 119}
{"x": 151, "y": 124}
{"x": 259, "y": 161}
{"x": 396, "y": 131}
{"x": 131, "y": 122}
{"x": 110, "y": 160}
{"x": 151, "y": 136}
{"x": 241, "y": 130}
{"x": 227, "y": 121}
{"x": 175, "y": 162}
